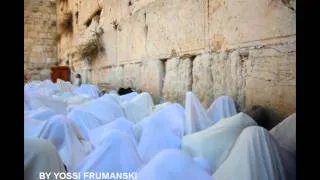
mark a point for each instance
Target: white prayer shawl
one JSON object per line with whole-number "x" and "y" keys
{"x": 85, "y": 121}
{"x": 156, "y": 138}
{"x": 77, "y": 81}
{"x": 117, "y": 153}
{"x": 171, "y": 117}
{"x": 88, "y": 89}
{"x": 222, "y": 107}
{"x": 215, "y": 142}
{"x": 285, "y": 134}
{"x": 40, "y": 156}
{"x": 128, "y": 97}
{"x": 45, "y": 88}
{"x": 58, "y": 131}
{"x": 111, "y": 98}
{"x": 42, "y": 113}
{"x": 98, "y": 134}
{"x": 197, "y": 118}
{"x": 255, "y": 156}
{"x": 203, "y": 163}
{"x": 159, "y": 107}
{"x": 37, "y": 100}
{"x": 138, "y": 107}
{"x": 33, "y": 128}
{"x": 172, "y": 164}
{"x": 65, "y": 86}
{"x": 104, "y": 111}
{"x": 77, "y": 100}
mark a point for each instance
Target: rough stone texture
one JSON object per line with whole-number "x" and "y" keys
{"x": 235, "y": 22}
{"x": 132, "y": 38}
{"x": 152, "y": 73}
{"x": 226, "y": 71}
{"x": 234, "y": 41}
{"x": 114, "y": 76}
{"x": 202, "y": 79}
{"x": 131, "y": 76}
{"x": 175, "y": 26}
{"x": 87, "y": 8}
{"x": 178, "y": 79}
{"x": 271, "y": 79}
{"x": 40, "y": 50}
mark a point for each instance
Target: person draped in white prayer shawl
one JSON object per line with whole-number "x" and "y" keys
{"x": 41, "y": 156}
{"x": 215, "y": 142}
{"x": 221, "y": 107}
{"x": 87, "y": 89}
{"x": 116, "y": 154}
{"x": 256, "y": 156}
{"x": 85, "y": 121}
{"x": 197, "y": 118}
{"x": 42, "y": 113}
{"x": 173, "y": 164}
{"x": 138, "y": 107}
{"x": 97, "y": 135}
{"x": 63, "y": 136}
{"x": 285, "y": 134}
{"x": 162, "y": 130}
{"x": 36, "y": 101}
{"x": 77, "y": 80}
{"x": 128, "y": 97}
{"x": 65, "y": 86}
{"x": 105, "y": 111}
{"x": 102, "y": 110}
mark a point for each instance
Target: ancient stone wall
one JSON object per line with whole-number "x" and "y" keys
{"x": 40, "y": 33}
{"x": 245, "y": 49}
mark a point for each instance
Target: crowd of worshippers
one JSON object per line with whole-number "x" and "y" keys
{"x": 74, "y": 129}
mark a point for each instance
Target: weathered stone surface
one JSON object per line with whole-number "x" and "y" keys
{"x": 110, "y": 47}
{"x": 45, "y": 74}
{"x": 271, "y": 79}
{"x": 114, "y": 76}
{"x": 227, "y": 76}
{"x": 234, "y": 22}
{"x": 242, "y": 34}
{"x": 87, "y": 9}
{"x": 39, "y": 48}
{"x": 175, "y": 26}
{"x": 131, "y": 76}
{"x": 178, "y": 79}
{"x": 202, "y": 79}
{"x": 132, "y": 38}
{"x": 152, "y": 73}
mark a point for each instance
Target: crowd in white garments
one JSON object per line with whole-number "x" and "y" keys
{"x": 75, "y": 129}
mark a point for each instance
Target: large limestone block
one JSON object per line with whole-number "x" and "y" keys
{"x": 110, "y": 13}
{"x": 232, "y": 22}
{"x": 175, "y": 27}
{"x": 129, "y": 7}
{"x": 45, "y": 74}
{"x": 109, "y": 49}
{"x": 202, "y": 79}
{"x": 227, "y": 76}
{"x": 87, "y": 9}
{"x": 178, "y": 79}
{"x": 271, "y": 79}
{"x": 132, "y": 38}
{"x": 152, "y": 73}
{"x": 131, "y": 75}
{"x": 114, "y": 76}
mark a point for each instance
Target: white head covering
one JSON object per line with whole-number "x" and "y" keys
{"x": 172, "y": 164}
{"x": 255, "y": 155}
